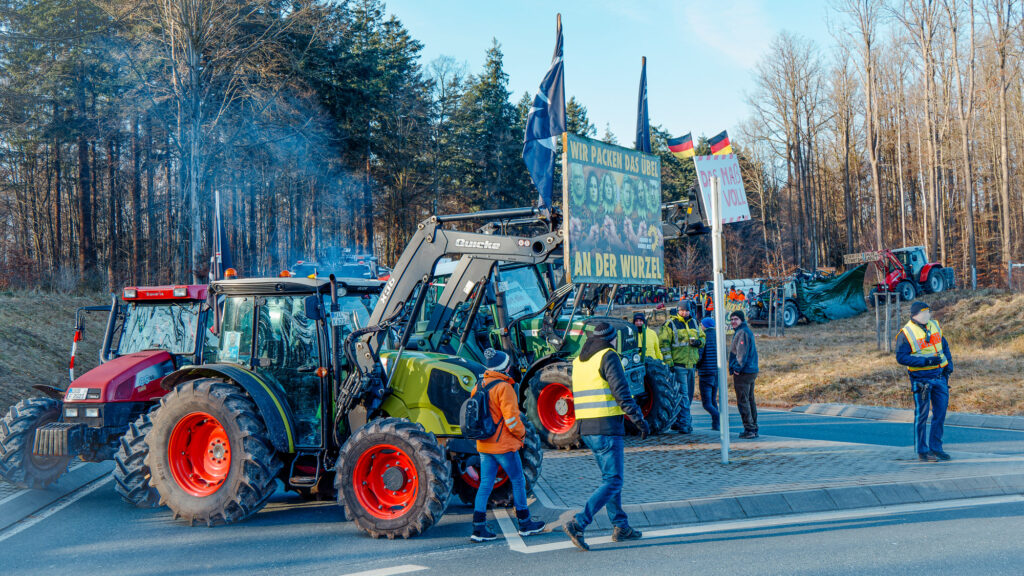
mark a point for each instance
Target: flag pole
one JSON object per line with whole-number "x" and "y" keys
{"x": 719, "y": 298}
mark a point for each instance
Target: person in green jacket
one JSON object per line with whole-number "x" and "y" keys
{"x": 681, "y": 341}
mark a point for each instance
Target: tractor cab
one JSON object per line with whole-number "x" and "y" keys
{"x": 912, "y": 259}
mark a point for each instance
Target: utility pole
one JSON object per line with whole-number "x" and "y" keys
{"x": 719, "y": 298}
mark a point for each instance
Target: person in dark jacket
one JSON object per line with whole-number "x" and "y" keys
{"x": 601, "y": 398}
{"x": 743, "y": 367}
{"x": 707, "y": 371}
{"x": 921, "y": 347}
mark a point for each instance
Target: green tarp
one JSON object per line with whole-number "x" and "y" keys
{"x": 832, "y": 299}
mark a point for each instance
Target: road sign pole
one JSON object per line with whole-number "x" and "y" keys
{"x": 719, "y": 296}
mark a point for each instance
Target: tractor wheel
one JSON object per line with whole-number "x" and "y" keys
{"x": 466, "y": 472}
{"x": 790, "y": 314}
{"x": 906, "y": 291}
{"x": 18, "y": 465}
{"x": 935, "y": 281}
{"x": 209, "y": 455}
{"x": 131, "y": 474}
{"x": 662, "y": 398}
{"x": 549, "y": 406}
{"x": 393, "y": 479}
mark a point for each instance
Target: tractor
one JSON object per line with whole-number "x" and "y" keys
{"x": 308, "y": 387}
{"x": 905, "y": 271}
{"x": 103, "y": 414}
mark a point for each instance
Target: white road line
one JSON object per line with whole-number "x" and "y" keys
{"x": 53, "y": 509}
{"x": 403, "y": 569}
{"x": 516, "y": 543}
{"x": 10, "y": 497}
{"x": 541, "y": 494}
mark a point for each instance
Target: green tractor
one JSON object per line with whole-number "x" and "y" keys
{"x": 301, "y": 389}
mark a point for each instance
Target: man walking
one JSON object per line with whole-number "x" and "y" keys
{"x": 743, "y": 367}
{"x": 921, "y": 347}
{"x": 601, "y": 398}
{"x": 681, "y": 341}
{"x": 707, "y": 371}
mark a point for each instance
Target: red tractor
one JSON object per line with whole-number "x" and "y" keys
{"x": 905, "y": 271}
{"x": 104, "y": 413}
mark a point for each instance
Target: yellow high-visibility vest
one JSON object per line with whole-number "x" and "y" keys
{"x": 925, "y": 344}
{"x": 591, "y": 394}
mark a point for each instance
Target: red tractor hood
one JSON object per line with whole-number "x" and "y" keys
{"x": 129, "y": 378}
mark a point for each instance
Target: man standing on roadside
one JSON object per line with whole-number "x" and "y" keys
{"x": 743, "y": 367}
{"x": 601, "y": 398}
{"x": 707, "y": 371}
{"x": 921, "y": 347}
{"x": 681, "y": 340}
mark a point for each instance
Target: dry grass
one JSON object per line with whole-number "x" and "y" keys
{"x": 838, "y": 362}
{"x": 36, "y": 329}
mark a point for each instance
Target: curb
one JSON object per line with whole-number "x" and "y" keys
{"x": 706, "y": 510}
{"x": 17, "y": 506}
{"x": 901, "y": 415}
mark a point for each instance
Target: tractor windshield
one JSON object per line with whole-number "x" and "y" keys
{"x": 523, "y": 290}
{"x": 169, "y": 326}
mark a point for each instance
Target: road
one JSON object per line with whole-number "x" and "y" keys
{"x": 92, "y": 532}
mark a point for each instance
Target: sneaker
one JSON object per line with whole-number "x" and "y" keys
{"x": 627, "y": 533}
{"x": 575, "y": 533}
{"x": 924, "y": 457}
{"x": 746, "y": 434}
{"x": 529, "y": 527}
{"x": 940, "y": 455}
{"x": 482, "y": 534}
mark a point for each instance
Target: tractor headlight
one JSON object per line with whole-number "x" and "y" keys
{"x": 180, "y": 291}
{"x": 92, "y": 412}
{"x": 130, "y": 293}
{"x": 71, "y": 412}
{"x": 636, "y": 358}
{"x": 625, "y": 363}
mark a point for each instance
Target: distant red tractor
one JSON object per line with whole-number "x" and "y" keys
{"x": 103, "y": 414}
{"x": 905, "y": 271}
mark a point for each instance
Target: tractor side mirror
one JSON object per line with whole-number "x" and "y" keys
{"x": 313, "y": 308}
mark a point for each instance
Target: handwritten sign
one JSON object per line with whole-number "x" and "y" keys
{"x": 734, "y": 198}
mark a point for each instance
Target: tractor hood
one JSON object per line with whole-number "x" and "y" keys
{"x": 129, "y": 378}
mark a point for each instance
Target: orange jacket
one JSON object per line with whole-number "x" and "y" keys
{"x": 505, "y": 411}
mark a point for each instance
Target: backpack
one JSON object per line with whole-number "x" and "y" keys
{"x": 475, "y": 416}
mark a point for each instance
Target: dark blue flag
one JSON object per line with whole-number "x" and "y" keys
{"x": 643, "y": 121}
{"x": 545, "y": 124}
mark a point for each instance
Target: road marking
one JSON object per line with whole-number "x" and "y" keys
{"x": 403, "y": 569}
{"x": 10, "y": 497}
{"x": 61, "y": 504}
{"x": 516, "y": 543}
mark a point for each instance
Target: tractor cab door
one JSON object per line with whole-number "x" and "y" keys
{"x": 916, "y": 263}
{"x": 287, "y": 351}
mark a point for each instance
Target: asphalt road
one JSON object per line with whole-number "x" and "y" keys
{"x": 95, "y": 533}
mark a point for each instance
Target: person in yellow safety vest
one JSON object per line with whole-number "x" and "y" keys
{"x": 650, "y": 344}
{"x": 921, "y": 347}
{"x": 601, "y": 398}
{"x": 681, "y": 341}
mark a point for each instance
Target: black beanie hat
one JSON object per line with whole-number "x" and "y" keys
{"x": 639, "y": 316}
{"x": 917, "y": 307}
{"x": 603, "y": 330}
{"x": 738, "y": 314}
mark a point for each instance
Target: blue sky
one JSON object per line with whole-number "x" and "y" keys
{"x": 700, "y": 54}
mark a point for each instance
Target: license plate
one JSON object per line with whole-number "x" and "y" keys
{"x": 636, "y": 384}
{"x": 76, "y": 394}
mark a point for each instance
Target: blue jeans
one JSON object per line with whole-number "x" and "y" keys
{"x": 709, "y": 396}
{"x": 513, "y": 467}
{"x": 684, "y": 377}
{"x": 936, "y": 396}
{"x": 610, "y": 455}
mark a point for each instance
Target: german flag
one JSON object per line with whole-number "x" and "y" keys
{"x": 720, "y": 144}
{"x": 681, "y": 147}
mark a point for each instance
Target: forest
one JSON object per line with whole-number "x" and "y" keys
{"x": 321, "y": 129}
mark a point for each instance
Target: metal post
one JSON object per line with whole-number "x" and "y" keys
{"x": 888, "y": 317}
{"x": 878, "y": 322}
{"x": 719, "y": 299}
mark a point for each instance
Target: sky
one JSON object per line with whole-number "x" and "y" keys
{"x": 701, "y": 54}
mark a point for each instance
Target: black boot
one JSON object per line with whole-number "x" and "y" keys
{"x": 480, "y": 531}
{"x": 528, "y": 527}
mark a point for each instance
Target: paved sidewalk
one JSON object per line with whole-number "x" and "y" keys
{"x": 673, "y": 478}
{"x": 903, "y": 415}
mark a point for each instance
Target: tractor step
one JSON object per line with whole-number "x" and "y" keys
{"x": 302, "y": 465}
{"x": 59, "y": 439}
{"x": 303, "y": 481}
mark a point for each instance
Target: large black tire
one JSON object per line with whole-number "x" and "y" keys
{"x": 131, "y": 474}
{"x": 936, "y": 283}
{"x": 790, "y": 314}
{"x": 531, "y": 455}
{"x": 17, "y": 439}
{"x": 358, "y": 473}
{"x": 906, "y": 291}
{"x": 251, "y": 477}
{"x": 662, "y": 399}
{"x": 552, "y": 375}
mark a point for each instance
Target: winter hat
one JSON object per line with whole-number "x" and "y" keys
{"x": 738, "y": 314}
{"x": 708, "y": 322}
{"x": 917, "y": 307}
{"x": 673, "y": 311}
{"x": 639, "y": 316}
{"x": 603, "y": 331}
{"x": 496, "y": 360}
